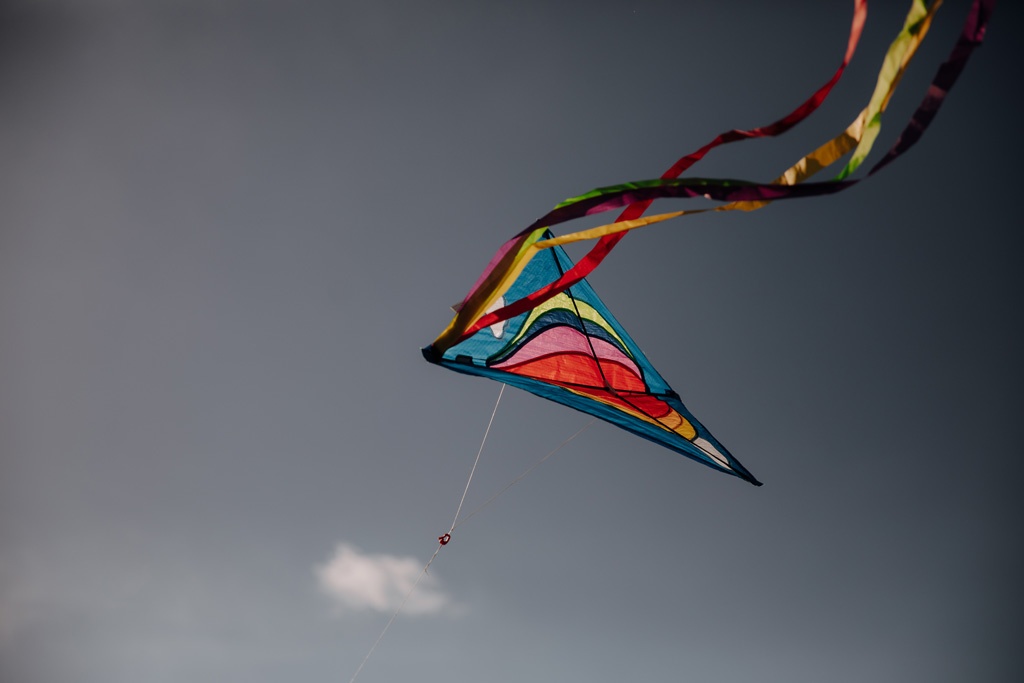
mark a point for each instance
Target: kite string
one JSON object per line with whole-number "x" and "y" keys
{"x": 522, "y": 476}
{"x": 395, "y": 615}
{"x": 475, "y": 462}
{"x": 440, "y": 545}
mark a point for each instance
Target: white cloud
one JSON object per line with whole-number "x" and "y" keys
{"x": 362, "y": 581}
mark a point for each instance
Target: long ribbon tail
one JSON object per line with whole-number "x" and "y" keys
{"x": 638, "y": 193}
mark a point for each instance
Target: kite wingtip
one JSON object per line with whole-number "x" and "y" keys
{"x": 431, "y": 354}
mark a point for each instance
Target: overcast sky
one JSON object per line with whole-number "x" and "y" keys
{"x": 226, "y": 229}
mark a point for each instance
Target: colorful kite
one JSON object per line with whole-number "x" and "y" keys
{"x": 570, "y": 349}
{"x": 532, "y": 320}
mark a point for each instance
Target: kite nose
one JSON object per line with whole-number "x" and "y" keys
{"x": 431, "y": 354}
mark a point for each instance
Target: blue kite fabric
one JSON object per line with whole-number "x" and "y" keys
{"x": 572, "y": 350}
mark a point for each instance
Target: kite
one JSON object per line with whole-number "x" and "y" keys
{"x": 533, "y": 321}
{"x": 571, "y": 349}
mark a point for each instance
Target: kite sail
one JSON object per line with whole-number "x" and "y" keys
{"x": 532, "y": 320}
{"x": 572, "y": 350}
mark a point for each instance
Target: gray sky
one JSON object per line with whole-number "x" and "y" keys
{"x": 226, "y": 229}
